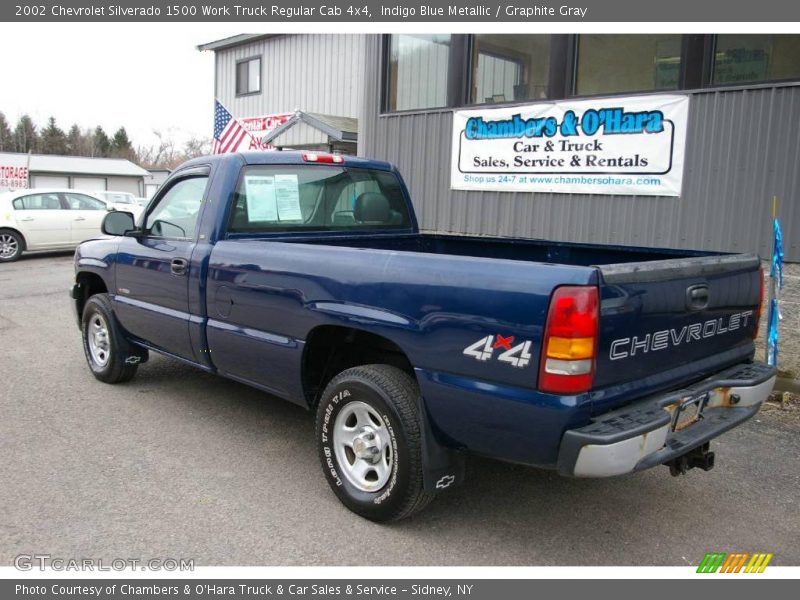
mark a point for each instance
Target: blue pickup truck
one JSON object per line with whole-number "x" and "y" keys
{"x": 305, "y": 275}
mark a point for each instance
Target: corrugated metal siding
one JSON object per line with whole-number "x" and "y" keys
{"x": 743, "y": 147}
{"x": 315, "y": 73}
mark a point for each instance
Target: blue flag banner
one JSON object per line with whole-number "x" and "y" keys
{"x": 776, "y": 284}
{"x": 772, "y": 333}
{"x": 776, "y": 270}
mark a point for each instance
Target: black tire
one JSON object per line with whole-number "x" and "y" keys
{"x": 393, "y": 395}
{"x": 11, "y": 245}
{"x": 117, "y": 366}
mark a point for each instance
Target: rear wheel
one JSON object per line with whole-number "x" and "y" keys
{"x": 369, "y": 439}
{"x": 109, "y": 355}
{"x": 10, "y": 245}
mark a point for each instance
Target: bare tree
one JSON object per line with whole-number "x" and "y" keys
{"x": 165, "y": 154}
{"x": 196, "y": 146}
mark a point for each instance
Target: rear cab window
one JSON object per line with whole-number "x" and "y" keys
{"x": 286, "y": 198}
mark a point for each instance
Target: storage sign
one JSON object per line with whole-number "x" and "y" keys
{"x": 13, "y": 172}
{"x": 601, "y": 146}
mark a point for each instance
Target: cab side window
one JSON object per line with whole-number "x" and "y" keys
{"x": 176, "y": 214}
{"x": 48, "y": 201}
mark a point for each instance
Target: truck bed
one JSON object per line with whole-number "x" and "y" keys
{"x": 544, "y": 251}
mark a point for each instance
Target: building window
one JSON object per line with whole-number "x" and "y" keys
{"x": 608, "y": 64}
{"x": 509, "y": 68}
{"x": 748, "y": 58}
{"x": 417, "y": 71}
{"x": 248, "y": 76}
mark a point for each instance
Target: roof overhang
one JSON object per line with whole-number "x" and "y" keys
{"x": 235, "y": 40}
{"x": 76, "y": 165}
{"x": 338, "y": 129}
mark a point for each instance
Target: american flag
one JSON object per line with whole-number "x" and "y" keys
{"x": 228, "y": 132}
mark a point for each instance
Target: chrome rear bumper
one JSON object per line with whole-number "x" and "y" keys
{"x": 647, "y": 433}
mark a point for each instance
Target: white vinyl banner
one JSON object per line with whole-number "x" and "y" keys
{"x": 623, "y": 145}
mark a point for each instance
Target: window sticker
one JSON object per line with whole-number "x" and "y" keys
{"x": 287, "y": 194}
{"x": 260, "y": 197}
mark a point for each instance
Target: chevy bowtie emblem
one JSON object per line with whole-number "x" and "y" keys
{"x": 445, "y": 482}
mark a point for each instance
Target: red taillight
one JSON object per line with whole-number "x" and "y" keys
{"x": 570, "y": 340}
{"x": 318, "y": 157}
{"x": 760, "y": 300}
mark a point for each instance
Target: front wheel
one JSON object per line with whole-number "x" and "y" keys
{"x": 107, "y": 351}
{"x": 10, "y": 245}
{"x": 369, "y": 440}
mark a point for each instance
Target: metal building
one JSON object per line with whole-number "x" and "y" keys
{"x": 153, "y": 181}
{"x": 742, "y": 146}
{"x": 258, "y": 75}
{"x": 75, "y": 172}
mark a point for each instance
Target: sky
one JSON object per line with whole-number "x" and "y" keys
{"x": 142, "y": 77}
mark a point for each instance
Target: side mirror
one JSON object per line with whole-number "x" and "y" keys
{"x": 118, "y": 223}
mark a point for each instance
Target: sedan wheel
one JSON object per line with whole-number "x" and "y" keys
{"x": 10, "y": 246}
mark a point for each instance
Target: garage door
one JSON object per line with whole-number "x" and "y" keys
{"x": 89, "y": 184}
{"x": 50, "y": 181}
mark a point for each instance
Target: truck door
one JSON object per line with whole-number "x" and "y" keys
{"x": 153, "y": 269}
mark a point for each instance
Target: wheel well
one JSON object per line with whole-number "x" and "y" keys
{"x": 331, "y": 349}
{"x": 19, "y": 233}
{"x": 90, "y": 284}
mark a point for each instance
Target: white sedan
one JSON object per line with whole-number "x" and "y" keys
{"x": 47, "y": 219}
{"x": 121, "y": 201}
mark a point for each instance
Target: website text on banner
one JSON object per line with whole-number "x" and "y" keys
{"x": 601, "y": 146}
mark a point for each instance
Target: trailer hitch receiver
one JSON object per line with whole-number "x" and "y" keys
{"x": 699, "y": 457}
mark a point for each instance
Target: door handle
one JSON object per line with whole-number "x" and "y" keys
{"x": 178, "y": 266}
{"x": 80, "y": 219}
{"x": 26, "y": 219}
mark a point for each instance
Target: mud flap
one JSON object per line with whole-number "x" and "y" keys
{"x": 77, "y": 294}
{"x": 442, "y": 467}
{"x": 137, "y": 355}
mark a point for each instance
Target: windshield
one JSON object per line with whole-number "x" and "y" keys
{"x": 317, "y": 198}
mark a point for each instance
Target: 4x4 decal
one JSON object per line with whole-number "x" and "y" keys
{"x": 517, "y": 356}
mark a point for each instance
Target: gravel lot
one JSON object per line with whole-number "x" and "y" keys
{"x": 182, "y": 464}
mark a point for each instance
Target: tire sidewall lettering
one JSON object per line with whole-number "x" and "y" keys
{"x": 334, "y": 405}
{"x": 326, "y": 438}
{"x": 393, "y": 479}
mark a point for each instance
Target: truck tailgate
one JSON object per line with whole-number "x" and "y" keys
{"x": 658, "y": 315}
